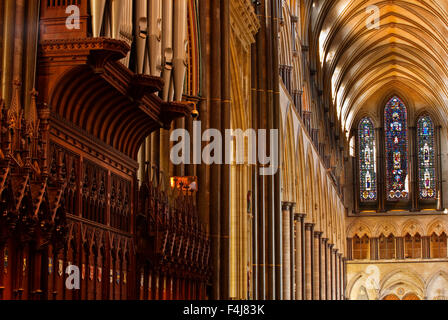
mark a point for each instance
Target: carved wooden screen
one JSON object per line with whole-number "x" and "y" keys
{"x": 94, "y": 192}
{"x": 120, "y": 209}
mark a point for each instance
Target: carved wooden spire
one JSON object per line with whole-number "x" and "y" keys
{"x": 16, "y": 105}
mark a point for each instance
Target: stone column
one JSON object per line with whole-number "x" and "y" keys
{"x": 438, "y": 141}
{"x": 341, "y": 279}
{"x": 328, "y": 266}
{"x": 400, "y": 250}
{"x": 298, "y": 257}
{"x": 324, "y": 269}
{"x": 286, "y": 244}
{"x": 309, "y": 229}
{"x": 225, "y": 169}
{"x": 344, "y": 273}
{"x": 333, "y": 273}
{"x": 380, "y": 161}
{"x": 356, "y": 184}
{"x": 413, "y": 170}
{"x": 316, "y": 265}
{"x": 215, "y": 170}
{"x": 337, "y": 273}
{"x": 292, "y": 251}
{"x": 304, "y": 279}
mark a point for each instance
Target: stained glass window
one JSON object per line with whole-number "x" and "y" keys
{"x": 396, "y": 132}
{"x": 426, "y": 159}
{"x": 367, "y": 161}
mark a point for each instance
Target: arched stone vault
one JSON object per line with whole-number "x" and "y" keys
{"x": 342, "y": 70}
{"x": 360, "y": 65}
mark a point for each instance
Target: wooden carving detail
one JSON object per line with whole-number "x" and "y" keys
{"x": 120, "y": 205}
{"x": 68, "y": 187}
{"x": 169, "y": 231}
{"x": 28, "y": 199}
{"x": 94, "y": 193}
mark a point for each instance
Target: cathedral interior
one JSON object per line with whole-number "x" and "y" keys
{"x": 91, "y": 92}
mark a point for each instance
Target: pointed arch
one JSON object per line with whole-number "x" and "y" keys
{"x": 386, "y": 228}
{"x": 359, "y": 228}
{"x": 437, "y": 288}
{"x": 412, "y": 227}
{"x": 437, "y": 226}
{"x": 410, "y": 281}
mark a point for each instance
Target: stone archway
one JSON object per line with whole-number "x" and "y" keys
{"x": 411, "y": 296}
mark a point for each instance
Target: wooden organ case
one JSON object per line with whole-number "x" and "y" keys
{"x": 68, "y": 176}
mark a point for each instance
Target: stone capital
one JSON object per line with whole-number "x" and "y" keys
{"x": 318, "y": 234}
{"x": 286, "y": 206}
{"x": 309, "y": 226}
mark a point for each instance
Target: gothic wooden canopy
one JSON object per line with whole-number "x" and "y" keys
{"x": 84, "y": 84}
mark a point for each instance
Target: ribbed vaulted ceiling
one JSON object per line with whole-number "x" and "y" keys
{"x": 361, "y": 66}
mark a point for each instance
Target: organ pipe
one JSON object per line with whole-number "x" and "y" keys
{"x": 167, "y": 46}
{"x": 160, "y": 36}
{"x": 141, "y": 23}
{"x": 125, "y": 26}
{"x": 154, "y": 33}
{"x": 116, "y": 12}
{"x": 97, "y": 11}
{"x": 180, "y": 36}
{"x": 8, "y": 49}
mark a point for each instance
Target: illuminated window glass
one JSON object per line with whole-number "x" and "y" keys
{"x": 396, "y": 132}
{"x": 426, "y": 159}
{"x": 367, "y": 161}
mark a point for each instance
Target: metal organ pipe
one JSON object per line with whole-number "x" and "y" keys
{"x": 117, "y": 9}
{"x": 160, "y": 36}
{"x": 8, "y": 49}
{"x": 141, "y": 23}
{"x": 167, "y": 45}
{"x": 97, "y": 11}
{"x": 18, "y": 41}
{"x": 180, "y": 36}
{"x": 125, "y": 26}
{"x": 154, "y": 33}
